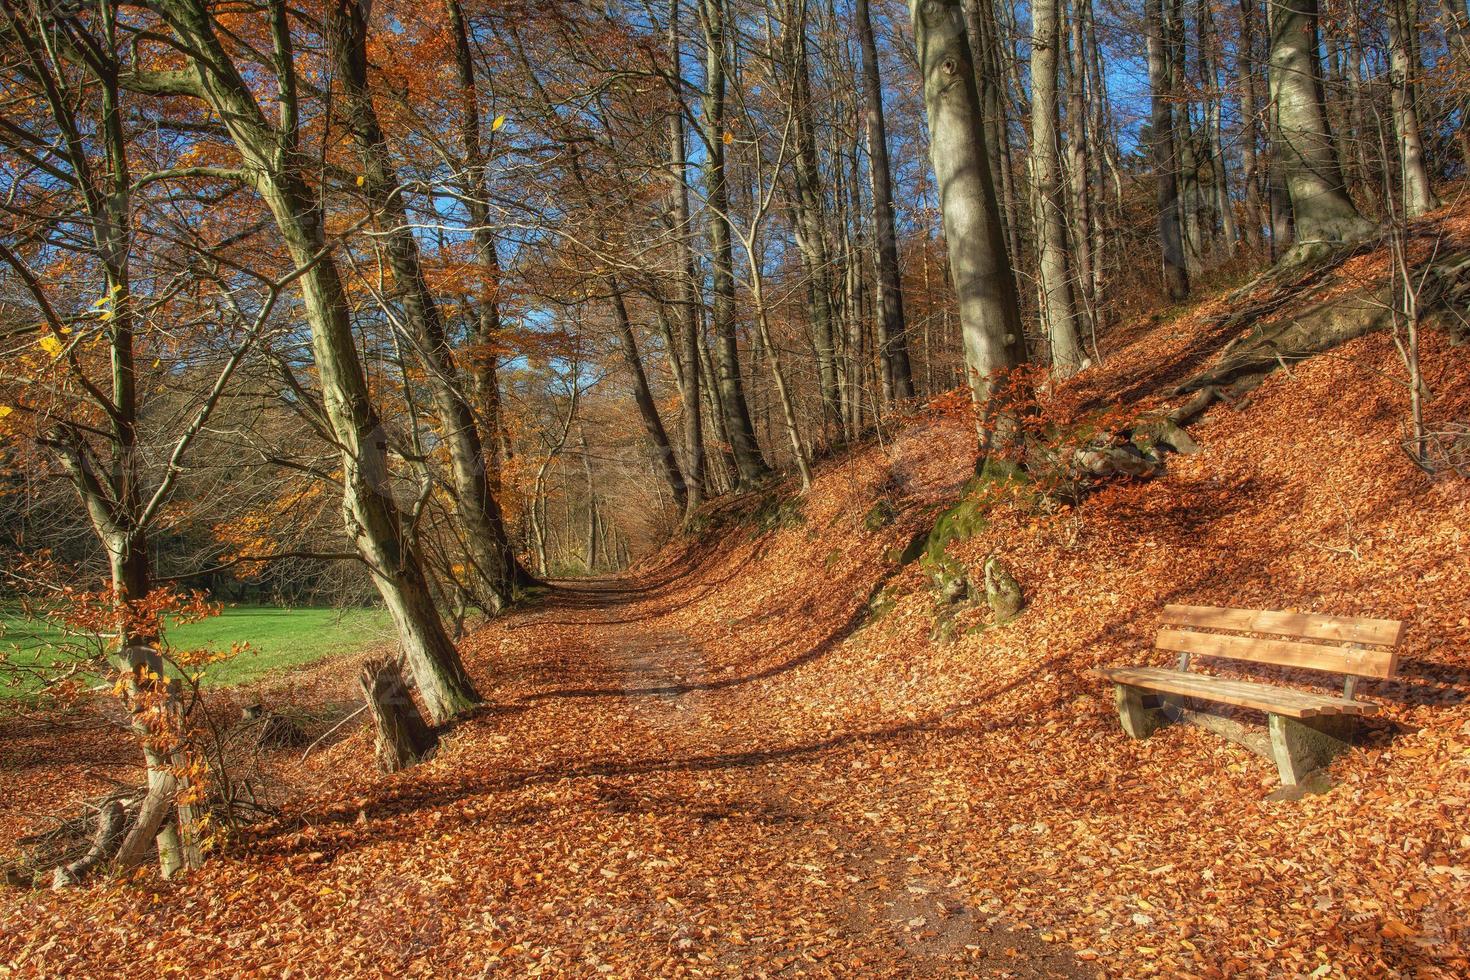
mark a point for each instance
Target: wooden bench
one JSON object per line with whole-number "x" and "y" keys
{"x": 1304, "y": 729}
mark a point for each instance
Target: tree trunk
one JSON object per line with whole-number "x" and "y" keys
{"x": 1186, "y": 156}
{"x": 484, "y": 356}
{"x": 1211, "y": 55}
{"x": 990, "y": 86}
{"x": 892, "y": 340}
{"x": 985, "y": 288}
{"x": 643, "y": 396}
{"x": 687, "y": 350}
{"x": 808, "y": 201}
{"x": 1162, "y": 145}
{"x": 1080, "y": 170}
{"x": 481, "y": 525}
{"x": 372, "y": 517}
{"x": 1404, "y": 70}
{"x": 750, "y": 465}
{"x": 1050, "y": 217}
{"x": 403, "y": 738}
{"x": 1365, "y": 176}
{"x": 1321, "y": 209}
{"x": 1256, "y": 215}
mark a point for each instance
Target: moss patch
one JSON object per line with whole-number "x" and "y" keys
{"x": 879, "y": 516}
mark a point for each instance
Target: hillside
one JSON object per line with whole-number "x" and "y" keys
{"x": 754, "y": 756}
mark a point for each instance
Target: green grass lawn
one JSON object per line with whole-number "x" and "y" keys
{"x": 278, "y": 639}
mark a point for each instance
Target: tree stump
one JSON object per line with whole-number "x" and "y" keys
{"x": 403, "y": 736}
{"x": 1002, "y": 591}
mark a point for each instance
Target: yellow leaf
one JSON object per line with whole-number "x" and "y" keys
{"x": 51, "y": 345}
{"x": 105, "y": 315}
{"x": 729, "y": 138}
{"x": 499, "y": 121}
{"x": 5, "y": 410}
{"x": 361, "y": 180}
{"x": 157, "y": 361}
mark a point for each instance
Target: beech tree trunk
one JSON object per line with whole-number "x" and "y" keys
{"x": 481, "y": 525}
{"x": 1403, "y": 71}
{"x": 985, "y": 287}
{"x": 893, "y": 347}
{"x": 484, "y": 355}
{"x": 688, "y": 347}
{"x": 1322, "y": 211}
{"x": 374, "y": 524}
{"x": 749, "y": 463}
{"x": 643, "y": 396}
{"x": 990, "y": 85}
{"x": 109, "y": 483}
{"x": 1080, "y": 170}
{"x": 1256, "y": 214}
{"x": 1049, "y": 213}
{"x": 808, "y": 204}
{"x": 1162, "y": 149}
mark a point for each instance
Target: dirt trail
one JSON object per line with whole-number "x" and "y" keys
{"x": 887, "y": 902}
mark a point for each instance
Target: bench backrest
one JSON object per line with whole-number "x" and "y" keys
{"x": 1359, "y": 658}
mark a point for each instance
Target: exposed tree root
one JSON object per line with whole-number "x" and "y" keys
{"x": 1277, "y": 340}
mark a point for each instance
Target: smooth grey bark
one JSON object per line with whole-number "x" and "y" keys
{"x": 373, "y": 521}
{"x": 484, "y": 357}
{"x": 1455, "y": 15}
{"x": 893, "y": 346}
{"x": 985, "y": 287}
{"x": 989, "y": 83}
{"x": 1404, "y": 69}
{"x": 688, "y": 348}
{"x": 1162, "y": 150}
{"x": 1256, "y": 215}
{"x": 1079, "y": 168}
{"x": 643, "y": 395}
{"x": 1211, "y": 54}
{"x": 1322, "y": 211}
{"x": 750, "y": 465}
{"x": 1049, "y": 213}
{"x": 481, "y": 524}
{"x": 808, "y": 203}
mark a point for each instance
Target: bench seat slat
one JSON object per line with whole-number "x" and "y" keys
{"x": 1241, "y": 694}
{"x": 1284, "y": 653}
{"x": 1350, "y": 629}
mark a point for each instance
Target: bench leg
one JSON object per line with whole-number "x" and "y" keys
{"x": 1139, "y": 720}
{"x": 1302, "y": 745}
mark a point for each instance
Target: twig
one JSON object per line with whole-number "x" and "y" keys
{"x": 330, "y": 731}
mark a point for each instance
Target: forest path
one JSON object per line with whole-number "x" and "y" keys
{"x": 794, "y": 847}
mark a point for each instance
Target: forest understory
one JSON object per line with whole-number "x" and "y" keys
{"x": 775, "y": 749}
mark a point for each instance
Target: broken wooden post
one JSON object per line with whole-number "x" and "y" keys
{"x": 403, "y": 736}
